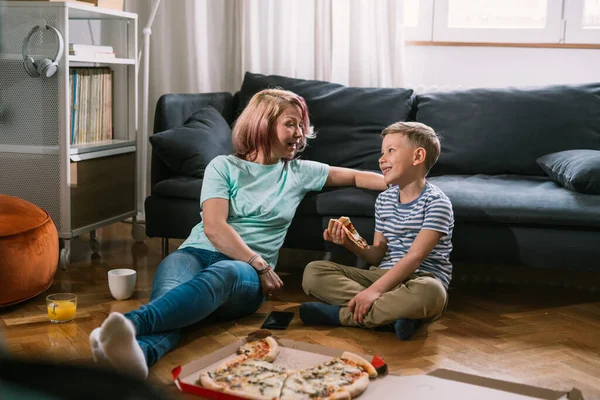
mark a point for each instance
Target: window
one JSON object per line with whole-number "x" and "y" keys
{"x": 418, "y": 19}
{"x": 582, "y": 21}
{"x": 504, "y": 21}
{"x": 524, "y": 21}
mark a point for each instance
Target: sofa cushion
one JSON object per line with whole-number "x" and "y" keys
{"x": 348, "y": 120}
{"x": 578, "y": 170}
{"x": 518, "y": 200}
{"x": 188, "y": 149}
{"x": 184, "y": 187}
{"x": 504, "y": 131}
{"x": 351, "y": 202}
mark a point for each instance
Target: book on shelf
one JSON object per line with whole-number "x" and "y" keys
{"x": 91, "y": 91}
{"x": 91, "y": 51}
{"x": 90, "y": 48}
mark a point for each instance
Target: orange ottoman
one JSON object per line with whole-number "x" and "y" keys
{"x": 28, "y": 250}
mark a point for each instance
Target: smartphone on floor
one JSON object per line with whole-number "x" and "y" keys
{"x": 278, "y": 320}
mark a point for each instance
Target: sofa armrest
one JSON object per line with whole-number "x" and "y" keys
{"x": 174, "y": 109}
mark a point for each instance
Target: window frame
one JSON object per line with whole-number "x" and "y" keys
{"x": 552, "y": 33}
{"x": 574, "y": 30}
{"x": 424, "y": 28}
{"x": 564, "y": 28}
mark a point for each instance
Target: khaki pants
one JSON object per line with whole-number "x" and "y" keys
{"x": 419, "y": 297}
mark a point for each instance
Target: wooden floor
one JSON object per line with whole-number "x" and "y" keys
{"x": 536, "y": 334}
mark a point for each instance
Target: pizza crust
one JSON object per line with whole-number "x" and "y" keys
{"x": 229, "y": 363}
{"x": 361, "y": 362}
{"x": 208, "y": 382}
{"x": 358, "y": 386}
{"x": 273, "y": 349}
{"x": 251, "y": 347}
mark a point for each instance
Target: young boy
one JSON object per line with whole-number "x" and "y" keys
{"x": 411, "y": 247}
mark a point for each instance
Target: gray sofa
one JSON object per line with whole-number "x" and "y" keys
{"x": 507, "y": 209}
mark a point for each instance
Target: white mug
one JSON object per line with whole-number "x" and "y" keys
{"x": 121, "y": 283}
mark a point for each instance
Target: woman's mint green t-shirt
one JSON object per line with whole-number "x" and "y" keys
{"x": 262, "y": 199}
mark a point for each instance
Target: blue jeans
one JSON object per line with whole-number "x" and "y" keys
{"x": 189, "y": 285}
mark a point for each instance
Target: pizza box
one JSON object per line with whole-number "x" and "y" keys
{"x": 438, "y": 384}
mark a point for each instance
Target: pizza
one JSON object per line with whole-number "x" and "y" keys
{"x": 265, "y": 349}
{"x": 344, "y": 377}
{"x": 351, "y": 232}
{"x": 247, "y": 378}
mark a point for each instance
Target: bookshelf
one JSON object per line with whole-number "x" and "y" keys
{"x": 83, "y": 185}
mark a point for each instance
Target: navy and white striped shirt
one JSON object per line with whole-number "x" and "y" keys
{"x": 400, "y": 224}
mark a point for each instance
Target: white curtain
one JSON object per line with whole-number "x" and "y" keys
{"x": 200, "y": 46}
{"x": 368, "y": 43}
{"x": 207, "y": 45}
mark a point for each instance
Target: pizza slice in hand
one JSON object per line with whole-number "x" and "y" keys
{"x": 351, "y": 232}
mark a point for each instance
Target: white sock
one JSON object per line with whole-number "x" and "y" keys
{"x": 97, "y": 352}
{"x": 117, "y": 338}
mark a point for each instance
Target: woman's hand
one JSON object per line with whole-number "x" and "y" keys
{"x": 361, "y": 304}
{"x": 335, "y": 233}
{"x": 269, "y": 281}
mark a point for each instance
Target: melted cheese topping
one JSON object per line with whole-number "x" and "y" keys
{"x": 256, "y": 349}
{"x": 252, "y": 376}
{"x": 321, "y": 380}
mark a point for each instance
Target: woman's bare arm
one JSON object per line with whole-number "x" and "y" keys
{"x": 225, "y": 239}
{"x": 339, "y": 176}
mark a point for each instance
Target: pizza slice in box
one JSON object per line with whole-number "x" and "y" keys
{"x": 247, "y": 378}
{"x": 343, "y": 377}
{"x": 351, "y": 232}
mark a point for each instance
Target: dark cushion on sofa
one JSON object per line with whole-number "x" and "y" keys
{"x": 171, "y": 217}
{"x": 188, "y": 149}
{"x": 348, "y": 120}
{"x": 181, "y": 187}
{"x": 578, "y": 170}
{"x": 504, "y": 131}
{"x": 518, "y": 200}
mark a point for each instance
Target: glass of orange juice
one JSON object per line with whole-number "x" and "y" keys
{"x": 61, "y": 307}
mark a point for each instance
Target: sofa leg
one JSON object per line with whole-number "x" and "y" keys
{"x": 165, "y": 247}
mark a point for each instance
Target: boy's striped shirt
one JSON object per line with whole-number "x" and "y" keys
{"x": 400, "y": 224}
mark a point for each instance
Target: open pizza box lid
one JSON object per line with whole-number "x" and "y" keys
{"x": 438, "y": 384}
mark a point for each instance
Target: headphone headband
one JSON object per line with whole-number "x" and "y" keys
{"x": 61, "y": 45}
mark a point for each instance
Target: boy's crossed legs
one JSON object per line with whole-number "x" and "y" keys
{"x": 420, "y": 297}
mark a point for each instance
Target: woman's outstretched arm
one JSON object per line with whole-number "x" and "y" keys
{"x": 339, "y": 176}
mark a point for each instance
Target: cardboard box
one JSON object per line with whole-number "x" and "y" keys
{"x": 438, "y": 384}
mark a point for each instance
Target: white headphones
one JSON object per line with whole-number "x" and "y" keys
{"x": 46, "y": 67}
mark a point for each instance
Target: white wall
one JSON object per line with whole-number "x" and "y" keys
{"x": 453, "y": 66}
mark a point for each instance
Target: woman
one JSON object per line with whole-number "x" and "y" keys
{"x": 226, "y": 266}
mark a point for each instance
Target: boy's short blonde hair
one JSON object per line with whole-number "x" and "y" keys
{"x": 418, "y": 135}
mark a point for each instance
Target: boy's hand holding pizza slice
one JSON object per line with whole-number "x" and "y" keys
{"x": 341, "y": 230}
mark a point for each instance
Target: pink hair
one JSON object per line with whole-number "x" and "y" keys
{"x": 255, "y": 126}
